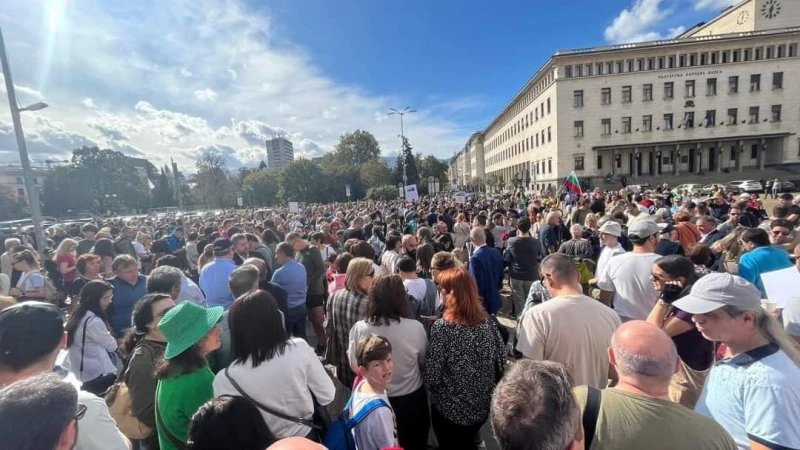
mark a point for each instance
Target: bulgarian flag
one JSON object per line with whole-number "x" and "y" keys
{"x": 571, "y": 184}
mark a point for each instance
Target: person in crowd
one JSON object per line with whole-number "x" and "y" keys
{"x": 668, "y": 241}
{"x": 707, "y": 226}
{"x": 264, "y": 356}
{"x": 570, "y": 328}
{"x": 388, "y": 314}
{"x": 189, "y": 290}
{"x": 104, "y": 248}
{"x": 410, "y": 243}
{"x": 5, "y": 285}
{"x": 241, "y": 249}
{"x": 465, "y": 360}
{"x": 702, "y": 258}
{"x": 781, "y": 234}
{"x": 760, "y": 257}
{"x": 6, "y": 263}
{"x": 362, "y": 249}
{"x": 533, "y": 407}
{"x": 732, "y": 221}
{"x": 443, "y": 237}
{"x": 486, "y": 266}
{"x": 522, "y": 255}
{"x": 356, "y": 230}
{"x": 673, "y": 277}
{"x": 229, "y": 421}
{"x": 425, "y": 253}
{"x": 278, "y": 293}
{"x": 498, "y": 229}
{"x": 31, "y": 282}
{"x": 375, "y": 367}
{"x": 325, "y": 250}
{"x": 548, "y": 232}
{"x": 129, "y": 286}
{"x": 142, "y": 245}
{"x": 214, "y": 275}
{"x": 205, "y": 257}
{"x": 625, "y": 283}
{"x": 165, "y": 279}
{"x": 65, "y": 259}
{"x": 88, "y": 231}
{"x": 577, "y": 246}
{"x": 393, "y": 251}
{"x": 40, "y": 412}
{"x": 728, "y": 250}
{"x": 291, "y": 277}
{"x": 123, "y": 245}
{"x": 88, "y": 267}
{"x": 686, "y": 231}
{"x": 311, "y": 258}
{"x": 609, "y": 234}
{"x": 441, "y": 261}
{"x": 345, "y": 308}
{"x": 338, "y": 272}
{"x": 144, "y": 346}
{"x": 638, "y": 413}
{"x": 192, "y": 255}
{"x": 90, "y": 344}
{"x": 423, "y": 292}
{"x": 752, "y": 392}
{"x": 31, "y": 338}
{"x": 461, "y": 231}
{"x": 184, "y": 378}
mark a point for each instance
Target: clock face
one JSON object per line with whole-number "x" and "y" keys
{"x": 742, "y": 18}
{"x": 771, "y": 9}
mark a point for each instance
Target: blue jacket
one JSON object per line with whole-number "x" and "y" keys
{"x": 761, "y": 260}
{"x": 486, "y": 265}
{"x": 125, "y": 296}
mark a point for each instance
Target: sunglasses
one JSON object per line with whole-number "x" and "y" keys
{"x": 81, "y": 412}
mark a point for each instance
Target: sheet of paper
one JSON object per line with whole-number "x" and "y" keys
{"x": 781, "y": 285}
{"x": 294, "y": 207}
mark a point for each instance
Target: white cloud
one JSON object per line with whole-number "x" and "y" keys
{"x": 205, "y": 95}
{"x": 24, "y": 93}
{"x": 638, "y": 23}
{"x": 713, "y": 4}
{"x": 246, "y": 85}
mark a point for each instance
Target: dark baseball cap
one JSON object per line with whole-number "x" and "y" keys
{"x": 29, "y": 331}
{"x": 222, "y": 245}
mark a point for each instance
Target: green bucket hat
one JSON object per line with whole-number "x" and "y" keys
{"x": 186, "y": 324}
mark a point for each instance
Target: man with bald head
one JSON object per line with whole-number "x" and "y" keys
{"x": 486, "y": 265}
{"x": 570, "y": 328}
{"x": 637, "y": 413}
{"x": 549, "y": 232}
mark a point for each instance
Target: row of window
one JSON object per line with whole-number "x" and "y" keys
{"x": 678, "y": 61}
{"x": 709, "y": 120}
{"x": 522, "y": 146}
{"x": 578, "y": 98}
{"x": 666, "y": 160}
{"x": 20, "y": 180}
{"x": 530, "y": 96}
{"x": 520, "y": 125}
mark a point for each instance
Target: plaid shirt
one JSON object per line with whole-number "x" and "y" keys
{"x": 345, "y": 308}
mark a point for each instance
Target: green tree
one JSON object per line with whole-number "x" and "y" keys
{"x": 111, "y": 180}
{"x": 212, "y": 184}
{"x": 264, "y": 185}
{"x": 356, "y": 148}
{"x": 10, "y": 208}
{"x": 478, "y": 183}
{"x": 375, "y": 173}
{"x": 64, "y": 191}
{"x": 300, "y": 181}
{"x": 411, "y": 172}
{"x": 385, "y": 192}
{"x": 430, "y": 166}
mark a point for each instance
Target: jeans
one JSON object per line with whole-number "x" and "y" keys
{"x": 413, "y": 419}
{"x": 452, "y": 436}
{"x": 296, "y": 321}
{"x": 519, "y": 292}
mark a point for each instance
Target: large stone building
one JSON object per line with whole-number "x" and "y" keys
{"x": 12, "y": 182}
{"x": 721, "y": 98}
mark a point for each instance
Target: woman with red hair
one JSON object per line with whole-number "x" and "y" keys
{"x": 465, "y": 360}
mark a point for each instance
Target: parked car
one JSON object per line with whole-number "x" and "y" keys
{"x": 786, "y": 186}
{"x": 748, "y": 186}
{"x": 692, "y": 188}
{"x": 709, "y": 189}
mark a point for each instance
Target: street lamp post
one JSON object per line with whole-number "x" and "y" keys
{"x": 30, "y": 186}
{"x": 394, "y": 112}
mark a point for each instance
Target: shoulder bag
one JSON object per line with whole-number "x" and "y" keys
{"x": 591, "y": 412}
{"x": 177, "y": 443}
{"x": 118, "y": 400}
{"x": 319, "y": 422}
{"x": 99, "y": 385}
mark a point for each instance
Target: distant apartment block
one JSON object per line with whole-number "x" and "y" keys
{"x": 279, "y": 152}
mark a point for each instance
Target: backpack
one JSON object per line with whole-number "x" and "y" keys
{"x": 340, "y": 432}
{"x": 52, "y": 294}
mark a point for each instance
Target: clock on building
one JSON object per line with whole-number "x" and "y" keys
{"x": 771, "y": 9}
{"x": 743, "y": 17}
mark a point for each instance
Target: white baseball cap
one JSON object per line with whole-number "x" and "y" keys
{"x": 715, "y": 290}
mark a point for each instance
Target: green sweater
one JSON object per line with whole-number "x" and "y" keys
{"x": 177, "y": 399}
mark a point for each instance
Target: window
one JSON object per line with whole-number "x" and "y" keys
{"x": 669, "y": 90}
{"x": 537, "y": 113}
{"x": 549, "y": 136}
{"x": 577, "y": 99}
{"x": 609, "y": 68}
{"x": 599, "y": 162}
{"x": 688, "y": 120}
{"x": 781, "y": 51}
{"x": 692, "y": 60}
{"x": 640, "y": 64}
{"x": 606, "y": 126}
{"x": 599, "y": 68}
{"x": 647, "y": 123}
{"x": 668, "y": 121}
{"x": 537, "y": 139}
{"x": 711, "y": 86}
{"x": 19, "y": 180}
{"x": 579, "y": 71}
{"x": 711, "y": 118}
{"x": 754, "y": 151}
{"x": 759, "y": 53}
{"x": 568, "y": 72}
{"x": 626, "y": 125}
{"x": 578, "y": 128}
{"x": 626, "y": 94}
{"x": 660, "y": 62}
{"x": 777, "y": 80}
{"x": 689, "y": 88}
{"x": 735, "y": 56}
{"x": 670, "y": 62}
{"x": 733, "y": 85}
{"x": 20, "y": 192}
{"x": 754, "y": 110}
{"x": 549, "y": 166}
{"x": 629, "y": 65}
{"x": 651, "y": 63}
{"x": 682, "y": 61}
{"x": 755, "y": 83}
{"x": 770, "y": 52}
{"x": 714, "y": 57}
{"x": 792, "y": 50}
{"x": 619, "y": 66}
{"x": 703, "y": 59}
{"x": 647, "y": 92}
{"x": 542, "y": 137}
{"x": 589, "y": 70}
{"x": 776, "y": 113}
{"x": 747, "y": 54}
{"x": 726, "y": 56}
{"x": 542, "y": 109}
{"x": 579, "y": 163}
{"x": 548, "y": 106}
{"x": 733, "y": 116}
{"x": 605, "y": 96}
{"x": 733, "y": 153}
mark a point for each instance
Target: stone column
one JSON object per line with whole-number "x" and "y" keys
{"x": 613, "y": 162}
{"x": 762, "y": 154}
{"x": 739, "y": 151}
{"x": 720, "y": 155}
{"x": 676, "y": 161}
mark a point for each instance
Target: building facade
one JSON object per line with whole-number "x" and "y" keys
{"x": 722, "y": 97}
{"x": 12, "y": 181}
{"x": 280, "y": 152}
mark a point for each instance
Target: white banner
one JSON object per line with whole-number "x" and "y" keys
{"x": 294, "y": 207}
{"x": 461, "y": 199}
{"x": 411, "y": 192}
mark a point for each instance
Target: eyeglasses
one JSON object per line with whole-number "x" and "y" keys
{"x": 81, "y": 412}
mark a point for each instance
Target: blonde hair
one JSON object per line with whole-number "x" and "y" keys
{"x": 66, "y": 246}
{"x": 356, "y": 270}
{"x": 142, "y": 238}
{"x": 5, "y": 302}
{"x": 731, "y": 244}
{"x": 771, "y": 329}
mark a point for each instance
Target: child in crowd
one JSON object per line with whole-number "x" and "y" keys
{"x": 374, "y": 359}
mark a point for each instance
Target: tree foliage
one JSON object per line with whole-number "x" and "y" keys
{"x": 374, "y": 173}
{"x": 430, "y": 166}
{"x": 356, "y": 148}
{"x": 384, "y": 192}
{"x": 264, "y": 186}
{"x": 213, "y": 186}
{"x": 299, "y": 181}
{"x": 407, "y": 157}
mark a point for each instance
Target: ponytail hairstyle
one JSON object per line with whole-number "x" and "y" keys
{"x": 771, "y": 329}
{"x": 141, "y": 317}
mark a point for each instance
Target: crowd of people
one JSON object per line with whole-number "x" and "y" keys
{"x": 641, "y": 321}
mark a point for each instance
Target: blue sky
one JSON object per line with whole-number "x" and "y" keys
{"x": 180, "y": 78}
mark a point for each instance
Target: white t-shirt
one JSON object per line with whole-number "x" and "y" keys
{"x": 574, "y": 330}
{"x": 628, "y": 277}
{"x": 416, "y": 288}
{"x": 605, "y": 255}
{"x": 138, "y": 247}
